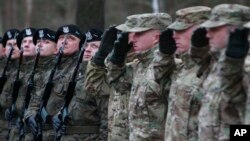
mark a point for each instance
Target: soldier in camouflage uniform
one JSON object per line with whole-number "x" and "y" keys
{"x": 96, "y": 83}
{"x": 9, "y": 39}
{"x": 24, "y": 42}
{"x": 146, "y": 107}
{"x": 222, "y": 104}
{"x": 246, "y": 80}
{"x": 68, "y": 36}
{"x": 87, "y": 110}
{"x": 44, "y": 39}
{"x": 185, "y": 98}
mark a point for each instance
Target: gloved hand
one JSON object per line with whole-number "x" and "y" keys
{"x": 167, "y": 43}
{"x": 8, "y": 114}
{"x": 106, "y": 45}
{"x": 122, "y": 47}
{"x": 31, "y": 121}
{"x": 57, "y": 121}
{"x": 238, "y": 44}
{"x": 199, "y": 38}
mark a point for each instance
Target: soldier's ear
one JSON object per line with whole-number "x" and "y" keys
{"x": 156, "y": 37}
{"x": 56, "y": 51}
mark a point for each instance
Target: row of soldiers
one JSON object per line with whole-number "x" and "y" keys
{"x": 149, "y": 79}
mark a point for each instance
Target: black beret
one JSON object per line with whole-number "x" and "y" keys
{"x": 82, "y": 41}
{"x": 94, "y": 35}
{"x": 10, "y": 34}
{"x": 44, "y": 33}
{"x": 69, "y": 29}
{"x": 27, "y": 32}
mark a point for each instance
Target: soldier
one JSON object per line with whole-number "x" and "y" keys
{"x": 223, "y": 104}
{"x": 87, "y": 112}
{"x": 45, "y": 42}
{"x": 146, "y": 107}
{"x": 24, "y": 42}
{"x": 184, "y": 97}
{"x": 68, "y": 37}
{"x": 96, "y": 79}
{"x": 246, "y": 78}
{"x": 9, "y": 41}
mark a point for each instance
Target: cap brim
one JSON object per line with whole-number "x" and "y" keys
{"x": 179, "y": 26}
{"x": 125, "y": 28}
{"x": 247, "y": 25}
{"x": 212, "y": 24}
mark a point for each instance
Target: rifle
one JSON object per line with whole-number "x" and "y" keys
{"x": 29, "y": 89}
{"x": 42, "y": 116}
{"x": 69, "y": 95}
{"x": 14, "y": 95}
{"x": 3, "y": 77}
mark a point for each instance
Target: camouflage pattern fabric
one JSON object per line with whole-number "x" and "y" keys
{"x": 190, "y": 16}
{"x": 144, "y": 22}
{"x": 185, "y": 96}
{"x": 231, "y": 14}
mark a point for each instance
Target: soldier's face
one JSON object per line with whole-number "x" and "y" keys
{"x": 90, "y": 50}
{"x": 47, "y": 47}
{"x": 29, "y": 48}
{"x": 144, "y": 40}
{"x": 2, "y": 52}
{"x": 183, "y": 38}
{"x": 71, "y": 44}
{"x": 16, "y": 51}
{"x": 218, "y": 37}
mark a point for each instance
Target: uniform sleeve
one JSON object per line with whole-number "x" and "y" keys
{"x": 96, "y": 80}
{"x": 96, "y": 84}
{"x": 162, "y": 64}
{"x": 36, "y": 95}
{"x": 224, "y": 103}
{"x": 120, "y": 77}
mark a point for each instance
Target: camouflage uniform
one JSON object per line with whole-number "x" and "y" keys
{"x": 221, "y": 93}
{"x": 146, "y": 106}
{"x": 56, "y": 100}
{"x": 26, "y": 65}
{"x": 5, "y": 96}
{"x": 45, "y": 64}
{"x": 118, "y": 105}
{"x": 185, "y": 97}
{"x": 246, "y": 80}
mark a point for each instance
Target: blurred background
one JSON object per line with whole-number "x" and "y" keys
{"x": 87, "y": 13}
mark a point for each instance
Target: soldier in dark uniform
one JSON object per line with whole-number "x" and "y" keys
{"x": 9, "y": 41}
{"x": 67, "y": 36}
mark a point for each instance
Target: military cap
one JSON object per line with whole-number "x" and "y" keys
{"x": 144, "y": 22}
{"x": 10, "y": 34}
{"x": 27, "y": 32}
{"x": 44, "y": 33}
{"x": 69, "y": 29}
{"x": 190, "y": 16}
{"x": 228, "y": 14}
{"x": 93, "y": 35}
